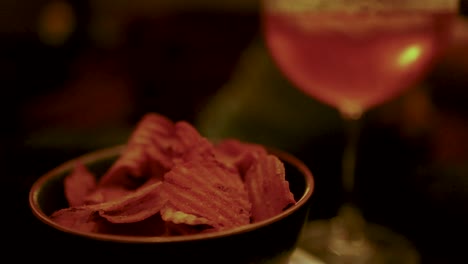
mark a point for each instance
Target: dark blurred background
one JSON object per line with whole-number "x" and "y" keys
{"x": 76, "y": 75}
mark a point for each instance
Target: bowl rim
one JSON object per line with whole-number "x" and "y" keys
{"x": 116, "y": 150}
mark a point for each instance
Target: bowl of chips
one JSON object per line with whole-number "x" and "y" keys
{"x": 170, "y": 195}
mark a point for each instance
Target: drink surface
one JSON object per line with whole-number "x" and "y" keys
{"x": 354, "y": 61}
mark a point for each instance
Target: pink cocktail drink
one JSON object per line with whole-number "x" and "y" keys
{"x": 355, "y": 60}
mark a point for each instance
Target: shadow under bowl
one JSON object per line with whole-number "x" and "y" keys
{"x": 269, "y": 241}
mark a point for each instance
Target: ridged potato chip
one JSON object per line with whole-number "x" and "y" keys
{"x": 170, "y": 180}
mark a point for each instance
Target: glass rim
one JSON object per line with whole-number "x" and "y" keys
{"x": 361, "y": 5}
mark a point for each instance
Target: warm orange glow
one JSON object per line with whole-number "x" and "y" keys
{"x": 56, "y": 23}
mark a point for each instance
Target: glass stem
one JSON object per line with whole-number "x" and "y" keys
{"x": 347, "y": 228}
{"x": 353, "y": 129}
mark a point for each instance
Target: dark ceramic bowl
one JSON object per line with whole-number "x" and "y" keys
{"x": 269, "y": 241}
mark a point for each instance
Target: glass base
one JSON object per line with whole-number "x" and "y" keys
{"x": 379, "y": 246}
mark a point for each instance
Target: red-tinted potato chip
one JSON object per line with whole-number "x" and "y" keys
{"x": 151, "y": 226}
{"x": 105, "y": 194}
{"x": 187, "y": 135}
{"x": 86, "y": 220}
{"x": 129, "y": 170}
{"x": 148, "y": 152}
{"x": 79, "y": 184}
{"x": 267, "y": 188}
{"x": 201, "y": 151}
{"x": 131, "y": 208}
{"x": 136, "y": 206}
{"x": 238, "y": 155}
{"x": 81, "y": 218}
{"x": 152, "y": 149}
{"x": 207, "y": 190}
{"x": 188, "y": 144}
{"x": 169, "y": 213}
